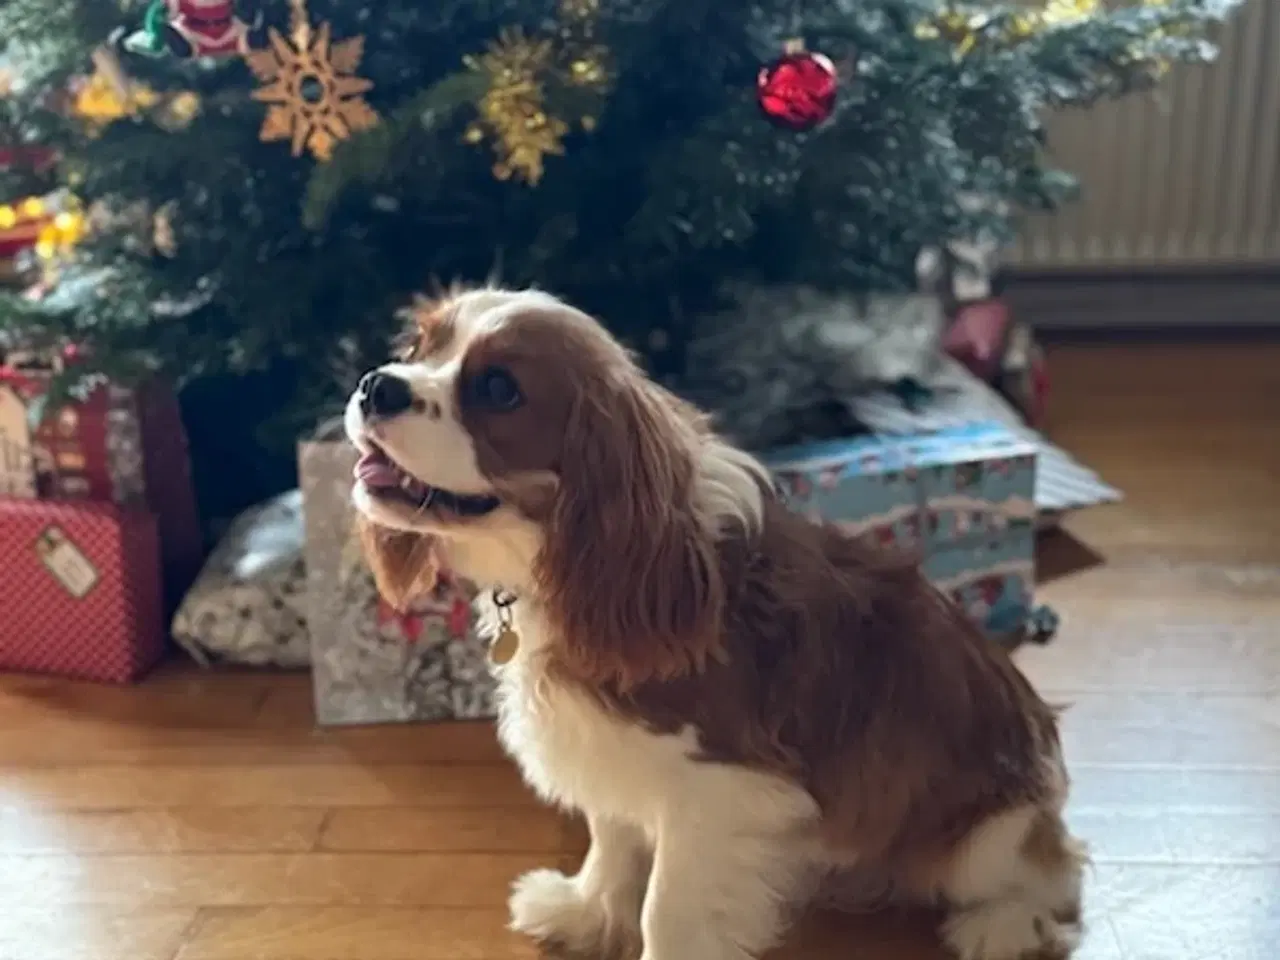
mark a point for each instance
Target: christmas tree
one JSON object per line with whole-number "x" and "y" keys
{"x": 268, "y": 181}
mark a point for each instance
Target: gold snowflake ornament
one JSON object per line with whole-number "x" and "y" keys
{"x": 314, "y": 97}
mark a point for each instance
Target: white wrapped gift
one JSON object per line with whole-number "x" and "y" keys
{"x": 249, "y": 603}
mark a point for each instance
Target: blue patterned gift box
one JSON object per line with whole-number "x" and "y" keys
{"x": 962, "y": 496}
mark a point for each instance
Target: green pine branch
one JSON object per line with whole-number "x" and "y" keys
{"x": 374, "y": 156}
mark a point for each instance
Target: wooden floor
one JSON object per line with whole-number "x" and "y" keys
{"x": 201, "y": 817}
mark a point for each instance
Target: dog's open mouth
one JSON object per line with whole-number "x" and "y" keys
{"x": 384, "y": 478}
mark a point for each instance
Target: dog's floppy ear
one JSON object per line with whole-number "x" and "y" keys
{"x": 405, "y": 565}
{"x": 630, "y": 574}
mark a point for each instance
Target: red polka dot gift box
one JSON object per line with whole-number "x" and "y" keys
{"x": 81, "y": 590}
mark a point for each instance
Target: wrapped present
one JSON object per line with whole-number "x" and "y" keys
{"x": 780, "y": 362}
{"x": 81, "y": 590}
{"x": 1002, "y": 352}
{"x": 17, "y": 463}
{"x": 248, "y": 605}
{"x": 971, "y": 264}
{"x": 963, "y": 498}
{"x": 369, "y": 663}
{"x": 108, "y": 443}
{"x": 1063, "y": 483}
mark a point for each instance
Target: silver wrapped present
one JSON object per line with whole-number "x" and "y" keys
{"x": 370, "y": 664}
{"x": 249, "y": 603}
{"x": 781, "y": 362}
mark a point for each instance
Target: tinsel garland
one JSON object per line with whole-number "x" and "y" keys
{"x": 514, "y": 112}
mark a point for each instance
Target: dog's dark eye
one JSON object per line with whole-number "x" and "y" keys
{"x": 494, "y": 388}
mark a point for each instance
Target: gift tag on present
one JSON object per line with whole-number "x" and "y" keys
{"x": 68, "y": 564}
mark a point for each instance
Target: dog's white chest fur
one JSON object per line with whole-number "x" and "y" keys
{"x": 579, "y": 756}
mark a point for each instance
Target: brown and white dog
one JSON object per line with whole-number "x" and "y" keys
{"x": 740, "y": 702}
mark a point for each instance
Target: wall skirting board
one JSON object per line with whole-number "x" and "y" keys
{"x": 1185, "y": 301}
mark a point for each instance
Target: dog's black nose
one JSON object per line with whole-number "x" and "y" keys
{"x": 384, "y": 395}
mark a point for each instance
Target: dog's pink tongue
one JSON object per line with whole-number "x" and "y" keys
{"x": 375, "y": 470}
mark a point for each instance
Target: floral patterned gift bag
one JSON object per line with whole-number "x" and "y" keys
{"x": 369, "y": 663}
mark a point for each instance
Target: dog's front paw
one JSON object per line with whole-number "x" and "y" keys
{"x": 548, "y": 906}
{"x": 1011, "y": 930}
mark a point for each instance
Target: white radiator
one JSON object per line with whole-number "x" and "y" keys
{"x": 1186, "y": 176}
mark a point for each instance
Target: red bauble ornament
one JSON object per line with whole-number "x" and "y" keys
{"x": 798, "y": 90}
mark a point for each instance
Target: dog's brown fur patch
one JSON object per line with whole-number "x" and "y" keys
{"x": 847, "y": 672}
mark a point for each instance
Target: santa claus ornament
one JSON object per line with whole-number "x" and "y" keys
{"x": 190, "y": 29}
{"x": 798, "y": 90}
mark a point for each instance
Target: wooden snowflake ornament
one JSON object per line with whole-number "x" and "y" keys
{"x": 314, "y": 97}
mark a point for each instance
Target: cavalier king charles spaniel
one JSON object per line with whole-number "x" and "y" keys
{"x": 741, "y": 703}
